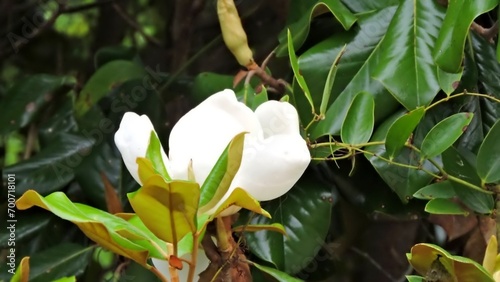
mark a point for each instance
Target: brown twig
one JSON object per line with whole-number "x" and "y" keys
{"x": 487, "y": 33}
{"x": 32, "y": 136}
{"x": 276, "y": 84}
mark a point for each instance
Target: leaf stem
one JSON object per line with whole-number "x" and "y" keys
{"x": 160, "y": 275}
{"x": 194, "y": 257}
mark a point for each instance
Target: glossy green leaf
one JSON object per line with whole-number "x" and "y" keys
{"x": 220, "y": 177}
{"x": 278, "y": 275}
{"x": 458, "y": 165}
{"x": 111, "y": 232}
{"x": 168, "y": 209}
{"x": 429, "y": 259}
{"x": 488, "y": 157}
{"x": 27, "y": 98}
{"x": 66, "y": 279}
{"x": 53, "y": 167}
{"x": 28, "y": 224}
{"x": 65, "y": 259}
{"x": 400, "y": 131}
{"x": 154, "y": 154}
{"x": 449, "y": 49}
{"x": 305, "y": 213}
{"x": 407, "y": 69}
{"x": 300, "y": 28}
{"x": 358, "y": 125}
{"x": 444, "y": 206}
{"x": 103, "y": 81}
{"x": 403, "y": 180}
{"x": 297, "y": 73}
{"x": 112, "y": 53}
{"x": 355, "y": 74}
{"x": 360, "y": 7}
{"x": 448, "y": 82}
{"x": 439, "y": 190}
{"x": 444, "y": 134}
{"x": 259, "y": 98}
{"x": 330, "y": 79}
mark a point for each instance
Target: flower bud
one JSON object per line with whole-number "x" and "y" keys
{"x": 233, "y": 33}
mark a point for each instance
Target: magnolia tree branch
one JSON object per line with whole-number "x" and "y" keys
{"x": 488, "y": 33}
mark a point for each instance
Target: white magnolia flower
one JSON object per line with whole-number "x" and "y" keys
{"x": 274, "y": 154}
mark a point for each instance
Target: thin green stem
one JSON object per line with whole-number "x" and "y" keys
{"x": 345, "y": 145}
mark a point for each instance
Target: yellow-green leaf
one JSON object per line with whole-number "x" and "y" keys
{"x": 109, "y": 231}
{"x": 436, "y": 263}
{"x": 241, "y": 198}
{"x": 22, "y": 272}
{"x": 168, "y": 209}
{"x": 276, "y": 227}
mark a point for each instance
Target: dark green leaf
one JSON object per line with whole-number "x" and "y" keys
{"x": 407, "y": 69}
{"x": 112, "y": 53}
{"x": 27, "y": 98}
{"x": 361, "y": 6}
{"x": 300, "y": 28}
{"x": 444, "y": 134}
{"x": 355, "y": 71}
{"x": 438, "y": 190}
{"x": 403, "y": 180}
{"x": 444, "y": 206}
{"x": 63, "y": 260}
{"x": 456, "y": 164}
{"x": 400, "y": 131}
{"x": 53, "y": 167}
{"x": 358, "y": 125}
{"x": 449, "y": 82}
{"x": 305, "y": 214}
{"x": 28, "y": 224}
{"x": 330, "y": 79}
{"x": 415, "y": 278}
{"x": 449, "y": 49}
{"x": 103, "y": 81}
{"x": 488, "y": 157}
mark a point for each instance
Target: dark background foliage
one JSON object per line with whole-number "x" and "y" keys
{"x": 70, "y": 69}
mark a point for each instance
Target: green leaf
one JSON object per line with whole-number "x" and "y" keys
{"x": 259, "y": 98}
{"x": 65, "y": 259}
{"x": 415, "y": 278}
{"x": 488, "y": 157}
{"x": 22, "y": 272}
{"x": 297, "y": 73}
{"x": 241, "y": 198}
{"x": 27, "y": 98}
{"x": 444, "y": 134}
{"x": 400, "y": 131}
{"x": 168, "y": 209}
{"x": 444, "y": 206}
{"x": 154, "y": 154}
{"x": 407, "y": 69}
{"x": 300, "y": 28}
{"x": 109, "y": 231}
{"x": 28, "y": 224}
{"x": 449, "y": 82}
{"x": 53, "y": 167}
{"x": 103, "y": 81}
{"x": 427, "y": 258}
{"x": 276, "y": 227}
{"x": 358, "y": 125}
{"x": 278, "y": 275}
{"x": 449, "y": 49}
{"x": 457, "y": 165}
{"x": 305, "y": 213}
{"x": 220, "y": 177}
{"x": 112, "y": 53}
{"x": 357, "y": 68}
{"x": 438, "y": 190}
{"x": 402, "y": 180}
{"x": 330, "y": 79}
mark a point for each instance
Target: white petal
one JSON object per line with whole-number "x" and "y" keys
{"x": 278, "y": 118}
{"x": 202, "y": 134}
{"x": 202, "y": 263}
{"x": 271, "y": 167}
{"x": 132, "y": 139}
